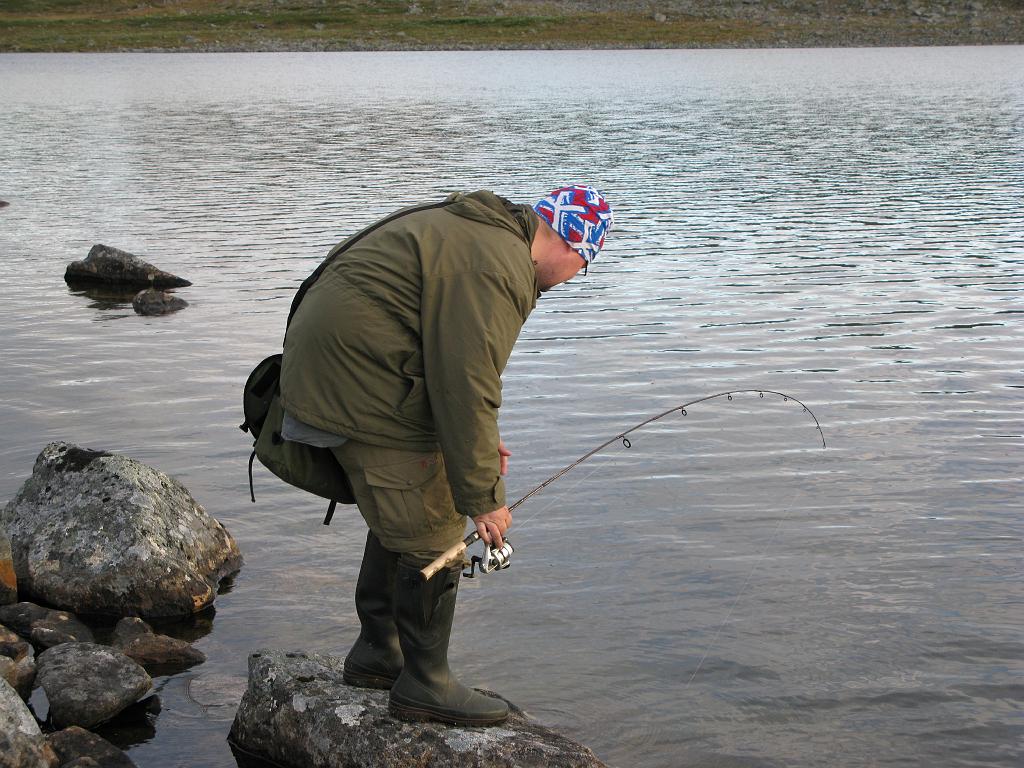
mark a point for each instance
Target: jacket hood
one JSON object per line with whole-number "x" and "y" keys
{"x": 489, "y": 208}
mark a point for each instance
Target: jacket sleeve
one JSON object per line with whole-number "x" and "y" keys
{"x": 469, "y": 323}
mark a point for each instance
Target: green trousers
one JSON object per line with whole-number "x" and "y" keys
{"x": 404, "y": 497}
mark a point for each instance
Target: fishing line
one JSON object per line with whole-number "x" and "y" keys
{"x": 499, "y": 559}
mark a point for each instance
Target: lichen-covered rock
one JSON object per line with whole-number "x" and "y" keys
{"x": 158, "y": 654}
{"x": 100, "y": 533}
{"x": 154, "y": 302}
{"x": 8, "y": 580}
{"x": 74, "y": 745}
{"x": 112, "y": 266}
{"x": 87, "y": 684}
{"x": 45, "y": 627}
{"x": 21, "y": 742}
{"x": 297, "y": 711}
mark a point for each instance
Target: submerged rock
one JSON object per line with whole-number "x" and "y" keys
{"x": 154, "y": 302}
{"x": 21, "y": 742}
{"x": 8, "y": 580}
{"x": 116, "y": 267}
{"x": 45, "y": 627}
{"x": 101, "y": 533}
{"x": 297, "y": 711}
{"x": 74, "y": 746}
{"x": 156, "y": 653}
{"x": 87, "y": 684}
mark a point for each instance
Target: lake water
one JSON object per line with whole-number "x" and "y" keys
{"x": 845, "y": 226}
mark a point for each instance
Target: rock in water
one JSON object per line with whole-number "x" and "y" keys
{"x": 100, "y": 533}
{"x": 299, "y": 713}
{"x": 156, "y": 653}
{"x": 87, "y": 684}
{"x": 8, "y": 581}
{"x": 115, "y": 267}
{"x": 21, "y": 742}
{"x": 74, "y": 743}
{"x": 154, "y": 302}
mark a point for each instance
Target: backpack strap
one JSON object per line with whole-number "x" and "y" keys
{"x": 344, "y": 246}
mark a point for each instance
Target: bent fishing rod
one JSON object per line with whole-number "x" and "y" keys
{"x": 499, "y": 559}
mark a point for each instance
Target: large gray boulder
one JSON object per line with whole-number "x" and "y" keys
{"x": 112, "y": 266}
{"x": 21, "y": 742}
{"x": 298, "y": 712}
{"x": 87, "y": 684}
{"x": 8, "y": 579}
{"x": 100, "y": 533}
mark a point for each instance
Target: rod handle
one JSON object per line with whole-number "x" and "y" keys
{"x": 449, "y": 556}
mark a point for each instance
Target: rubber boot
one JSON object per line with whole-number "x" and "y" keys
{"x": 376, "y": 658}
{"x": 426, "y": 689}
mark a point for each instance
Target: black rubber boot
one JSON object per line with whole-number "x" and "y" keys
{"x": 426, "y": 689}
{"x": 376, "y": 658}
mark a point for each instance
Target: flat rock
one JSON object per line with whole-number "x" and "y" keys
{"x": 154, "y": 302}
{"x": 4, "y": 203}
{"x": 158, "y": 654}
{"x": 22, "y": 744}
{"x": 87, "y": 684}
{"x": 100, "y": 533}
{"x": 74, "y": 745}
{"x": 45, "y": 627}
{"x": 298, "y": 712}
{"x": 112, "y": 266}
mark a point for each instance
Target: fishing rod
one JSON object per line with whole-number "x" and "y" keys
{"x": 499, "y": 559}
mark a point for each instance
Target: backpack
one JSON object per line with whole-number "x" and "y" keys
{"x": 312, "y": 469}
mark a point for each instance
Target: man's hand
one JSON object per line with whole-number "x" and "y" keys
{"x": 492, "y": 526}
{"x": 504, "y": 453}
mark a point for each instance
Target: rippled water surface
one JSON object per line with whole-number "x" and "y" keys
{"x": 841, "y": 225}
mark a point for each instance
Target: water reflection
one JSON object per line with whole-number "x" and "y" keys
{"x": 842, "y": 225}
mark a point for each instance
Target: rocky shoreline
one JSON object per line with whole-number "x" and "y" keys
{"x": 94, "y": 537}
{"x": 306, "y": 25}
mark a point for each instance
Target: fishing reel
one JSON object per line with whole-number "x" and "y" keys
{"x": 493, "y": 560}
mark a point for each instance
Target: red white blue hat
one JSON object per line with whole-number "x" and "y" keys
{"x": 580, "y": 215}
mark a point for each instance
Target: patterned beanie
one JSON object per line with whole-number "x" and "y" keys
{"x": 580, "y": 215}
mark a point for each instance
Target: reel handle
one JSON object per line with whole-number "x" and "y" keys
{"x": 451, "y": 555}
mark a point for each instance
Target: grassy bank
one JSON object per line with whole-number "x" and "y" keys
{"x": 253, "y": 25}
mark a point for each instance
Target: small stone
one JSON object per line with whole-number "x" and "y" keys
{"x": 75, "y": 746}
{"x": 4, "y": 203}
{"x": 19, "y": 674}
{"x": 156, "y": 653}
{"x": 414, "y": 10}
{"x": 45, "y": 627}
{"x": 319, "y": 26}
{"x": 660, "y": 17}
{"x": 87, "y": 684}
{"x": 154, "y": 302}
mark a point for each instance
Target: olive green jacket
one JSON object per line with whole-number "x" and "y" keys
{"x": 402, "y": 340}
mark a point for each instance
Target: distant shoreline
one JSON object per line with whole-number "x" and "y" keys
{"x": 360, "y": 25}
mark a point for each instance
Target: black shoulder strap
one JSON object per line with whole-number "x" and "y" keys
{"x": 344, "y": 246}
